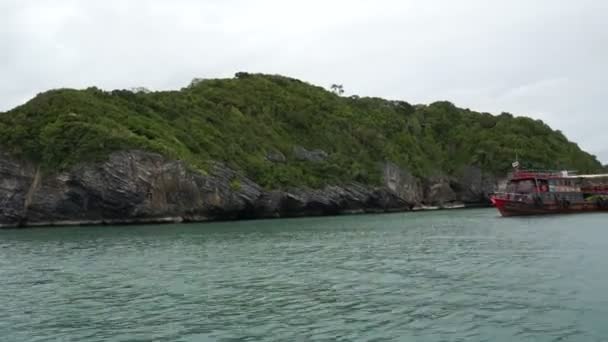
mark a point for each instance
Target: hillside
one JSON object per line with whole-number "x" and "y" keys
{"x": 279, "y": 132}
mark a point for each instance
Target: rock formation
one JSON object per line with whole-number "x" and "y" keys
{"x": 140, "y": 187}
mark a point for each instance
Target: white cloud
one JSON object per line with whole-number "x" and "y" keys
{"x": 545, "y": 59}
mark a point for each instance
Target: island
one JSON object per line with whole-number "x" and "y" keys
{"x": 255, "y": 146}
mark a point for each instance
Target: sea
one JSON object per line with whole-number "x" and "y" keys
{"x": 455, "y": 275}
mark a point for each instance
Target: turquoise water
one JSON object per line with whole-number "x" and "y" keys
{"x": 464, "y": 275}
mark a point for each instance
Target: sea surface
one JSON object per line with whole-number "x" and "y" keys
{"x": 462, "y": 275}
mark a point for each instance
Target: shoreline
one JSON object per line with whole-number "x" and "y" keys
{"x": 201, "y": 219}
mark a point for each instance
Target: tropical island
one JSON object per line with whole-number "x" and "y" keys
{"x": 254, "y": 146}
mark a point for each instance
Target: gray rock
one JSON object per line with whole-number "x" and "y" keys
{"x": 439, "y": 192}
{"x": 476, "y": 186}
{"x": 16, "y": 179}
{"x": 275, "y": 156}
{"x": 403, "y": 183}
{"x": 316, "y": 156}
{"x": 143, "y": 187}
{"x": 473, "y": 187}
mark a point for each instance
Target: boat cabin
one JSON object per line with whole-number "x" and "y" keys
{"x": 545, "y": 186}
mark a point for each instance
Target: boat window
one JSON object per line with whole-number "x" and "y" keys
{"x": 525, "y": 186}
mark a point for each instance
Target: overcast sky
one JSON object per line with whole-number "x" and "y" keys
{"x": 547, "y": 59}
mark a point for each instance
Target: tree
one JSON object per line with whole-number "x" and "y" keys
{"x": 337, "y": 89}
{"x": 195, "y": 81}
{"x": 242, "y": 74}
{"x": 140, "y": 90}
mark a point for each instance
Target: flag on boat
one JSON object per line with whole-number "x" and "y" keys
{"x": 515, "y": 164}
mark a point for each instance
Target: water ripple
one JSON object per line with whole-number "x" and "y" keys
{"x": 446, "y": 276}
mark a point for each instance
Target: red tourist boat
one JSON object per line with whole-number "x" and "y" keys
{"x": 552, "y": 192}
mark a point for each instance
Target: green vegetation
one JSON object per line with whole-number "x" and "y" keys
{"x": 238, "y": 121}
{"x": 235, "y": 184}
{"x": 596, "y": 198}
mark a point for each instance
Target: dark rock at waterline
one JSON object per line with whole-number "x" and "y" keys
{"x": 141, "y": 187}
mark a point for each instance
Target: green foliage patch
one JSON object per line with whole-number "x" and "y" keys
{"x": 238, "y": 121}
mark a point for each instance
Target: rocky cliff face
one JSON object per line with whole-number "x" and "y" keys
{"x": 139, "y": 187}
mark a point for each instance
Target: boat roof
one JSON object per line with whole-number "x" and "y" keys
{"x": 589, "y": 176}
{"x": 532, "y": 174}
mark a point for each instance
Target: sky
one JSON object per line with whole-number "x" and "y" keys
{"x": 546, "y": 59}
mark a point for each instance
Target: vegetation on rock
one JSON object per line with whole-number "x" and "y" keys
{"x": 244, "y": 120}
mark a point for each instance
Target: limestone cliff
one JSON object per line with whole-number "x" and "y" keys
{"x": 139, "y": 187}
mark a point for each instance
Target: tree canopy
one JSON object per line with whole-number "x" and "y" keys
{"x": 240, "y": 121}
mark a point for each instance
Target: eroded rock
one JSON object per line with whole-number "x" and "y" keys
{"x": 315, "y": 156}
{"x": 143, "y": 187}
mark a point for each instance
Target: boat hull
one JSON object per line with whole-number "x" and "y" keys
{"x": 520, "y": 208}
